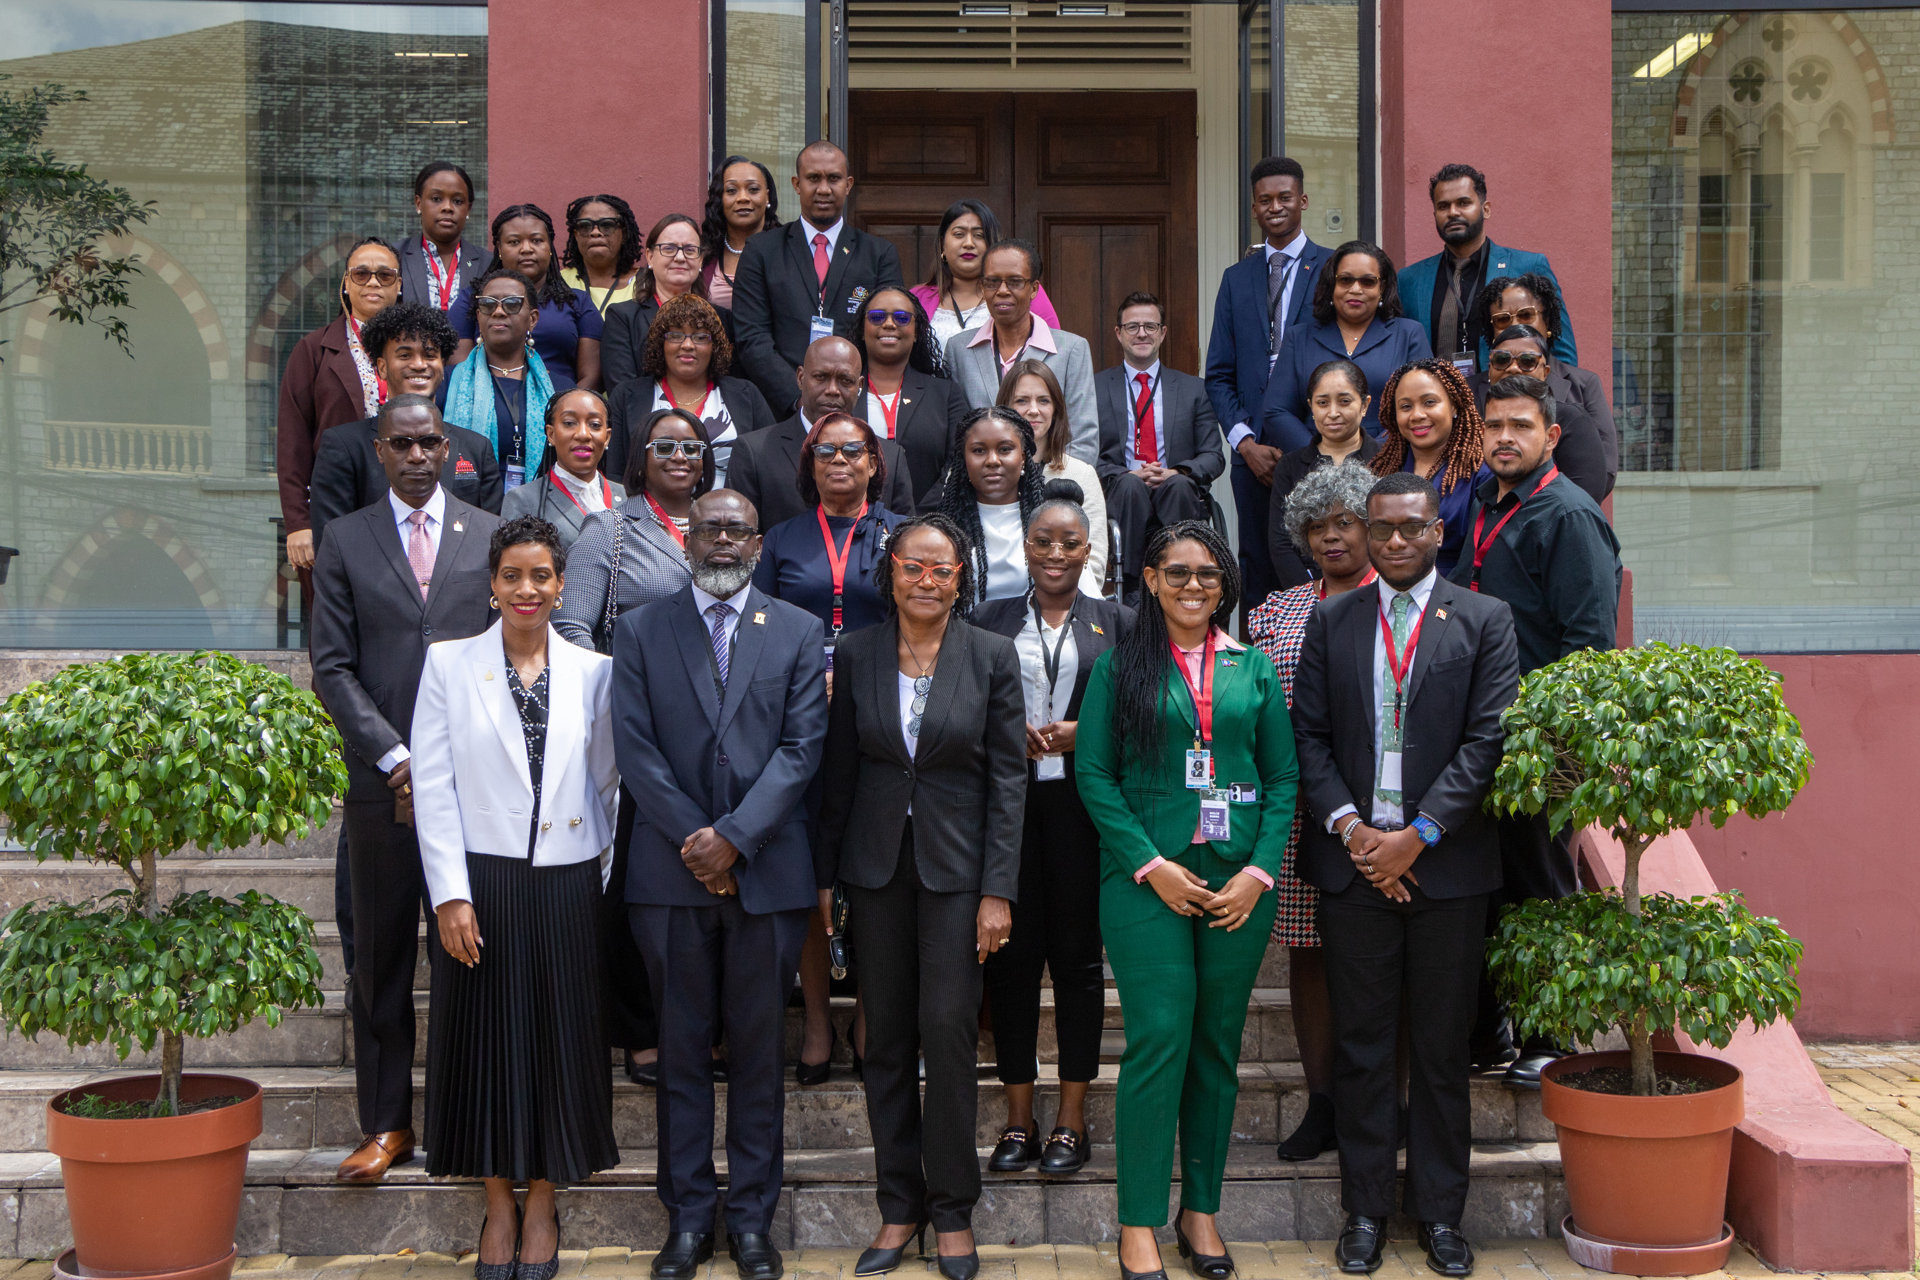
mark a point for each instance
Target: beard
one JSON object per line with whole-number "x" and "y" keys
{"x": 723, "y": 580}
{"x": 1456, "y": 234}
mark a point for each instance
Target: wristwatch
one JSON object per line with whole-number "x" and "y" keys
{"x": 1427, "y": 829}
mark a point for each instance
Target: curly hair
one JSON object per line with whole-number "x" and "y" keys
{"x": 1323, "y": 491}
{"x": 629, "y": 236}
{"x": 520, "y": 531}
{"x": 810, "y": 487}
{"x": 552, "y": 288}
{"x": 1389, "y": 287}
{"x": 925, "y": 356}
{"x": 1140, "y": 661}
{"x": 687, "y": 313}
{"x": 963, "y": 551}
{"x": 1487, "y": 301}
{"x": 418, "y": 320}
{"x": 713, "y": 226}
{"x": 1466, "y": 447}
{"x": 958, "y": 501}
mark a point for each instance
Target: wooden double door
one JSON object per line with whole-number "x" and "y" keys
{"x": 1103, "y": 183}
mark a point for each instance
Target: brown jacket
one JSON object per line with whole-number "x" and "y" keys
{"x": 320, "y": 389}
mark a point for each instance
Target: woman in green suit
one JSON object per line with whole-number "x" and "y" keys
{"x": 1186, "y": 766}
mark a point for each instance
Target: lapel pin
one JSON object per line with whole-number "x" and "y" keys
{"x": 759, "y": 619}
{"x": 1096, "y": 628}
{"x": 1440, "y": 614}
{"x": 486, "y": 675}
{"x": 458, "y": 527}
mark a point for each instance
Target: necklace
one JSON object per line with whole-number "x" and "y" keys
{"x": 730, "y": 248}
{"x": 516, "y": 369}
{"x": 922, "y": 686}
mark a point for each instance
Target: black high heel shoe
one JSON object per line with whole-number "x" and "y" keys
{"x": 1159, "y": 1273}
{"x": 964, "y": 1266}
{"x": 499, "y": 1270}
{"x": 542, "y": 1270}
{"x": 877, "y": 1261}
{"x": 1208, "y": 1266}
{"x": 818, "y": 1072}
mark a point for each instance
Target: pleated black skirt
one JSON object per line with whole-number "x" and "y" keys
{"x": 518, "y": 1084}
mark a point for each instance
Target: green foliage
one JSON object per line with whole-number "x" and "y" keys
{"x": 1583, "y": 965}
{"x": 54, "y": 216}
{"x": 100, "y": 972}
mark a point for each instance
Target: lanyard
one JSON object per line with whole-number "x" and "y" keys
{"x": 1202, "y": 695}
{"x": 606, "y": 491}
{"x": 666, "y": 521}
{"x": 601, "y": 307}
{"x": 444, "y": 277}
{"x": 1482, "y": 546}
{"x": 892, "y": 415}
{"x": 1153, "y": 390}
{"x": 1050, "y": 662}
{"x": 1372, "y": 574}
{"x": 1020, "y": 351}
{"x": 1400, "y": 664}
{"x": 837, "y": 560}
{"x": 694, "y": 409}
{"x": 514, "y": 420}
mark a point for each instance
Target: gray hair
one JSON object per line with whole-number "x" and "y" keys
{"x": 1323, "y": 491}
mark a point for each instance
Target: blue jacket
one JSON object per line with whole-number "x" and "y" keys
{"x": 1237, "y": 362}
{"x": 1285, "y": 422}
{"x": 1416, "y": 293}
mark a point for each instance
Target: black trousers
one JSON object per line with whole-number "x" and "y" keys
{"x": 921, "y": 982}
{"x": 343, "y": 900}
{"x": 1140, "y": 510}
{"x": 389, "y": 893}
{"x": 626, "y": 998}
{"x": 1056, "y": 927}
{"x": 1534, "y": 864}
{"x": 1252, "y": 500}
{"x": 1377, "y": 952}
{"x": 714, "y": 967}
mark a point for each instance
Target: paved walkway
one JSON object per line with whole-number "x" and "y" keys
{"x": 1878, "y": 1085}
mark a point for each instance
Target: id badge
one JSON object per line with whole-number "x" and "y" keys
{"x": 1466, "y": 363}
{"x": 514, "y": 476}
{"x": 1199, "y": 769}
{"x": 1216, "y": 823}
{"x": 1390, "y": 771}
{"x": 819, "y": 327}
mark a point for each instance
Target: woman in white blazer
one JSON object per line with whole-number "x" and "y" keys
{"x": 513, "y": 793}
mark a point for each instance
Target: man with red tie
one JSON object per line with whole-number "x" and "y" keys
{"x": 1159, "y": 440}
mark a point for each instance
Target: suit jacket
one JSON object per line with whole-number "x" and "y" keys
{"x": 1191, "y": 431}
{"x": 929, "y": 415}
{"x": 347, "y": 474}
{"x": 1113, "y": 620}
{"x": 623, "y": 339}
{"x": 741, "y": 766}
{"x": 416, "y": 280}
{"x": 1589, "y": 450}
{"x": 1237, "y": 358}
{"x": 543, "y": 496}
{"x": 977, "y": 370}
{"x": 629, "y": 406}
{"x": 766, "y": 468}
{"x": 1286, "y": 423}
{"x": 1466, "y": 672}
{"x": 320, "y": 389}
{"x": 472, "y": 788}
{"x": 1417, "y": 283}
{"x": 371, "y": 629}
{"x": 776, "y": 295}
{"x": 966, "y": 783}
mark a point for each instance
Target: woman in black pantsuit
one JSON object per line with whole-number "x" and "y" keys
{"x": 924, "y": 791}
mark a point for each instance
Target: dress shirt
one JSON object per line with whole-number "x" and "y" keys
{"x": 1045, "y": 701}
{"x": 1159, "y": 414}
{"x": 1293, "y": 249}
{"x": 1472, "y": 274}
{"x": 877, "y": 410}
{"x": 906, "y": 717}
{"x": 832, "y": 234}
{"x": 1004, "y": 541}
{"x": 436, "y": 509}
{"x": 703, "y": 601}
{"x": 590, "y": 493}
{"x": 1041, "y": 339}
{"x": 1386, "y": 817}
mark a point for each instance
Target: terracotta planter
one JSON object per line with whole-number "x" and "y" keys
{"x": 1647, "y": 1172}
{"x": 156, "y": 1197}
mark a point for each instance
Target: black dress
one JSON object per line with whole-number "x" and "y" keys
{"x": 517, "y": 1079}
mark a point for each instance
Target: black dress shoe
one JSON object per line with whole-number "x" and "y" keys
{"x": 643, "y": 1073}
{"x": 963, "y": 1266}
{"x": 1315, "y": 1133}
{"x": 877, "y": 1261}
{"x": 1016, "y": 1151}
{"x": 754, "y": 1257}
{"x": 682, "y": 1255}
{"x": 1208, "y": 1266}
{"x": 1535, "y": 1054}
{"x": 1362, "y": 1244}
{"x": 810, "y": 1073}
{"x": 1447, "y": 1250}
{"x": 1125, "y": 1274}
{"x": 1066, "y": 1152}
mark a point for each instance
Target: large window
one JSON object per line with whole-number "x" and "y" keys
{"x": 1767, "y": 325}
{"x": 140, "y": 491}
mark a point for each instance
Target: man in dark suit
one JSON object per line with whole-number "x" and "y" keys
{"x": 1260, "y": 297}
{"x": 1159, "y": 441}
{"x": 1397, "y": 706}
{"x": 389, "y": 580}
{"x": 765, "y": 466}
{"x": 720, "y": 705}
{"x": 806, "y": 279}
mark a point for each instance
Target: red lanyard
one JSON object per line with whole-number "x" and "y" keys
{"x": 666, "y": 521}
{"x": 1371, "y": 575}
{"x": 891, "y": 415}
{"x": 380, "y": 383}
{"x": 1203, "y": 692}
{"x": 442, "y": 276}
{"x": 1480, "y": 546}
{"x": 667, "y": 391}
{"x": 838, "y": 559}
{"x": 1399, "y": 664}
{"x": 606, "y": 491}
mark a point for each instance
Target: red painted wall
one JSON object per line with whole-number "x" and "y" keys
{"x": 624, "y": 112}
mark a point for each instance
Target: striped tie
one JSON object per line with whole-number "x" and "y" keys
{"x": 720, "y": 613}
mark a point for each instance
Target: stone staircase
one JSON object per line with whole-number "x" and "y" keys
{"x": 294, "y": 1206}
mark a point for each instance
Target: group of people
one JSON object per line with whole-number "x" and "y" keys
{"x": 708, "y": 613}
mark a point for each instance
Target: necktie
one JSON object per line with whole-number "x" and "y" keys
{"x": 1279, "y": 269}
{"x": 1391, "y": 735}
{"x": 820, "y": 260}
{"x": 1146, "y": 442}
{"x": 1446, "y": 335}
{"x": 720, "y": 613}
{"x": 420, "y": 551}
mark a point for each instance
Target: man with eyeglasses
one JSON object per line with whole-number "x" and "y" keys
{"x": 391, "y": 579}
{"x": 1159, "y": 441}
{"x": 720, "y": 873}
{"x": 1396, "y": 715}
{"x": 807, "y": 279}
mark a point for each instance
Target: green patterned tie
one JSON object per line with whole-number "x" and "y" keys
{"x": 1390, "y": 736}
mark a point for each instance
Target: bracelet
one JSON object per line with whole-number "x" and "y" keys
{"x": 1347, "y": 835}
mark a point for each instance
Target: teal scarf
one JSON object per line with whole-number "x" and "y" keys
{"x": 470, "y": 403}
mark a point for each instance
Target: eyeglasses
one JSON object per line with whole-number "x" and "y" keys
{"x": 852, "y": 450}
{"x": 994, "y": 284}
{"x": 1140, "y": 328}
{"x": 382, "y": 276}
{"x": 1383, "y": 530}
{"x": 1178, "y": 575}
{"x": 1365, "y": 282}
{"x": 713, "y": 531}
{"x": 914, "y": 570}
{"x": 689, "y": 449}
{"x": 587, "y": 226}
{"x": 507, "y": 306}
{"x": 1525, "y": 315}
{"x": 1043, "y": 548}
{"x": 1343, "y": 523}
{"x": 1527, "y": 360}
{"x": 691, "y": 252}
{"x": 407, "y": 444}
{"x": 697, "y": 337}
{"x": 879, "y": 316}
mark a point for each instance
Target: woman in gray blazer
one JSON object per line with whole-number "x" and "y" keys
{"x": 568, "y": 489}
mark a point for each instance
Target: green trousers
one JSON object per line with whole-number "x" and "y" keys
{"x": 1183, "y": 995}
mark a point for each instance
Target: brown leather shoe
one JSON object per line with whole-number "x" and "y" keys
{"x": 375, "y": 1154}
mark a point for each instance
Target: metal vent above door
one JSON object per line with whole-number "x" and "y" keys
{"x": 1090, "y": 34}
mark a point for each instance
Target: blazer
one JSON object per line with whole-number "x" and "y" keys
{"x": 765, "y": 467}
{"x": 1286, "y": 423}
{"x": 1143, "y": 807}
{"x": 977, "y": 370}
{"x": 1290, "y": 566}
{"x": 1417, "y": 282}
{"x": 1466, "y": 671}
{"x": 320, "y": 389}
{"x": 1191, "y": 431}
{"x": 1238, "y": 361}
{"x": 370, "y": 630}
{"x": 472, "y": 788}
{"x": 543, "y": 496}
{"x": 776, "y": 295}
{"x": 629, "y": 405}
{"x": 966, "y": 783}
{"x": 740, "y": 765}
{"x": 1099, "y": 624}
{"x": 623, "y": 340}
{"x": 416, "y": 279}
{"x": 929, "y": 416}
{"x": 652, "y": 566}
{"x": 1589, "y": 450}
{"x": 347, "y": 474}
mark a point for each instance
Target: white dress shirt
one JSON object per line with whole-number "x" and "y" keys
{"x": 1133, "y": 417}
{"x": 436, "y": 509}
{"x": 590, "y": 494}
{"x": 1293, "y": 249}
{"x": 1046, "y": 702}
{"x": 703, "y": 601}
{"x": 1005, "y": 545}
{"x": 1386, "y": 817}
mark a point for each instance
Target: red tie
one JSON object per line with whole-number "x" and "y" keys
{"x": 1146, "y": 444}
{"x": 820, "y": 260}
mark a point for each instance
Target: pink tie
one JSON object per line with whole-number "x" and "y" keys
{"x": 820, "y": 261}
{"x": 420, "y": 551}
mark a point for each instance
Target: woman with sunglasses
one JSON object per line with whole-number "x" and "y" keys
{"x": 603, "y": 251}
{"x": 567, "y": 332}
{"x": 567, "y": 489}
{"x": 503, "y": 386}
{"x": 924, "y": 780}
{"x": 1185, "y": 762}
{"x": 1588, "y": 453}
{"x": 952, "y": 294}
{"x": 907, "y": 395}
{"x": 330, "y": 381}
{"x": 669, "y": 269}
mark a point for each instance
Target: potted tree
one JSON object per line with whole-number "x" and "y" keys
{"x": 1640, "y": 742}
{"x": 124, "y": 762}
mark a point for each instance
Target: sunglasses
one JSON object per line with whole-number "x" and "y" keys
{"x": 407, "y": 444}
{"x": 1365, "y": 282}
{"x": 879, "y": 316}
{"x": 506, "y": 306}
{"x": 852, "y": 451}
{"x": 587, "y": 226}
{"x": 1527, "y": 360}
{"x": 1525, "y": 315}
{"x": 1178, "y": 575}
{"x": 914, "y": 570}
{"x": 692, "y": 450}
{"x": 382, "y": 276}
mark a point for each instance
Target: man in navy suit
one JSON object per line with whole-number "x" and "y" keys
{"x": 720, "y": 717}
{"x": 1260, "y": 297}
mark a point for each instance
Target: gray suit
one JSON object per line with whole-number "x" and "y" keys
{"x": 545, "y": 498}
{"x": 1192, "y": 444}
{"x": 977, "y": 370}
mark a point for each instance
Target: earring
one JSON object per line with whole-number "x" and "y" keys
{"x": 557, "y": 602}
{"x": 493, "y": 602}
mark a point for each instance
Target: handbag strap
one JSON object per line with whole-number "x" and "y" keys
{"x": 612, "y": 611}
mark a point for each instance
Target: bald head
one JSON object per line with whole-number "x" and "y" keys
{"x": 822, "y": 179}
{"x": 829, "y": 378}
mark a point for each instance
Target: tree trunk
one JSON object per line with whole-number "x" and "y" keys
{"x": 172, "y": 1055}
{"x": 1630, "y": 883}
{"x": 146, "y": 887}
{"x": 1639, "y": 1036}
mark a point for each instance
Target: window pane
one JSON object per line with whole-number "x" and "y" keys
{"x": 1323, "y": 112}
{"x": 767, "y": 84}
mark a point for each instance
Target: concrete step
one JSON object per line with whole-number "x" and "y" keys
{"x": 321, "y": 843}
{"x": 306, "y": 882}
{"x": 294, "y": 1206}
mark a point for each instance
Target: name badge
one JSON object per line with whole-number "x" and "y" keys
{"x": 513, "y": 476}
{"x": 1390, "y": 771}
{"x": 1216, "y": 823}
{"x": 1199, "y": 770}
{"x": 1465, "y": 362}
{"x": 818, "y": 327}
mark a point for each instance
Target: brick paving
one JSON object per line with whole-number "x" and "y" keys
{"x": 1878, "y": 1085}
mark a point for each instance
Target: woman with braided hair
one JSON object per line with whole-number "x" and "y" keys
{"x": 991, "y": 485}
{"x": 1433, "y": 429}
{"x": 1184, "y": 758}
